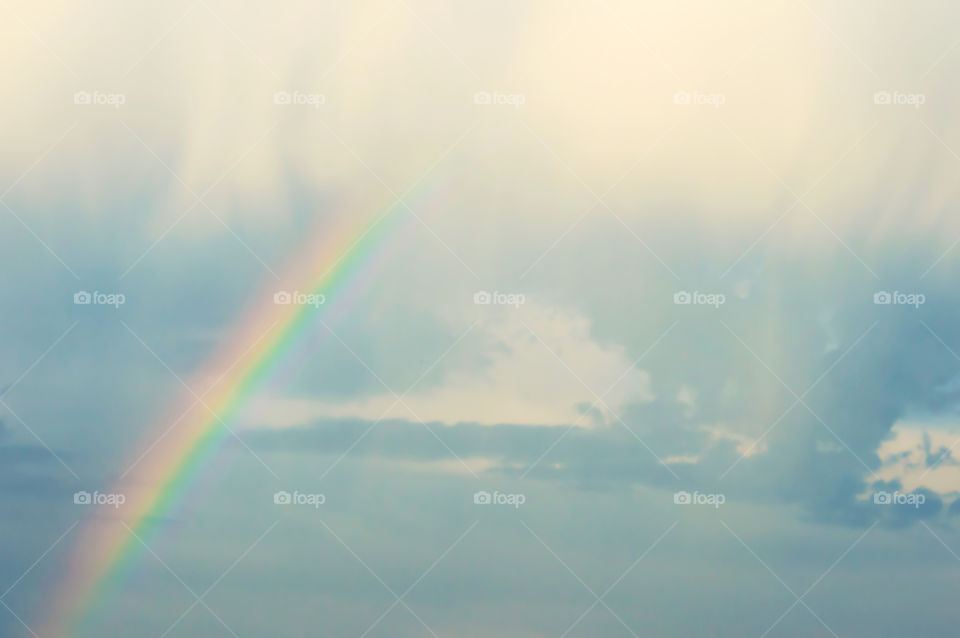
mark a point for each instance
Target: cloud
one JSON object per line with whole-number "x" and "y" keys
{"x": 542, "y": 367}
{"x": 919, "y": 454}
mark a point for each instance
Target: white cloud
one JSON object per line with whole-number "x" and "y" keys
{"x": 525, "y": 381}
{"x": 904, "y": 456}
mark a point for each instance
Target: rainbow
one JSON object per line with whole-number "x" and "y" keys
{"x": 341, "y": 262}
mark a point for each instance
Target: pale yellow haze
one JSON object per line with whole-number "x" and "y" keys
{"x": 598, "y": 81}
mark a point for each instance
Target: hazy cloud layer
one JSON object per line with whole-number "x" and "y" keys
{"x": 678, "y": 277}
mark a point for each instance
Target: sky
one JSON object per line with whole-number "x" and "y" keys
{"x": 479, "y": 319}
